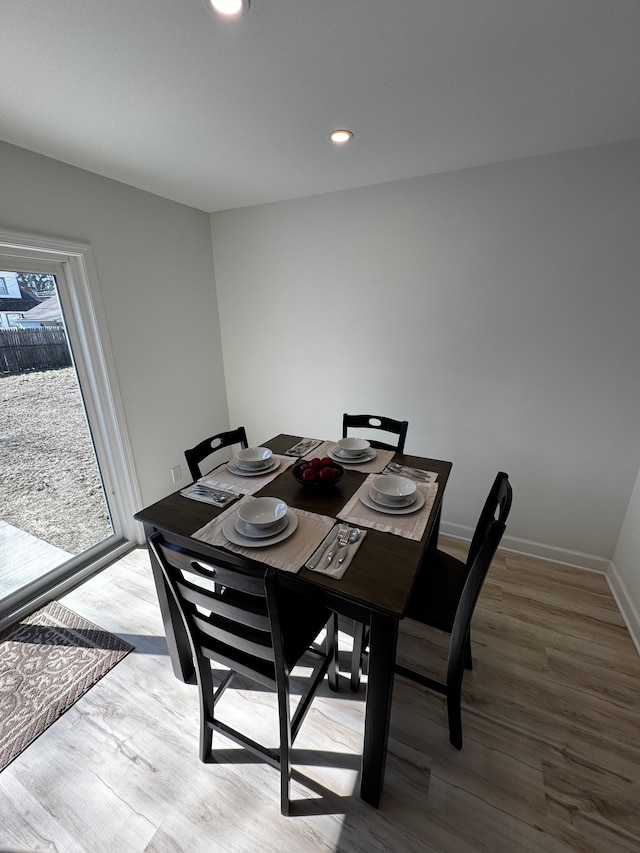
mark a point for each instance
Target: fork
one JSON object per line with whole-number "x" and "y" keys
{"x": 341, "y": 540}
{"x": 213, "y": 493}
{"x": 416, "y": 473}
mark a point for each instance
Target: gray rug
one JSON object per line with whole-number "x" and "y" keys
{"x": 47, "y": 662}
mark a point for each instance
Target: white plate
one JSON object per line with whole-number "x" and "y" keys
{"x": 275, "y": 463}
{"x": 363, "y": 494}
{"x": 336, "y": 454}
{"x": 261, "y": 466}
{"x": 229, "y": 530}
{"x": 401, "y": 504}
{"x": 252, "y": 532}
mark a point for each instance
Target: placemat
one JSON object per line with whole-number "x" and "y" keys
{"x": 373, "y": 466}
{"x": 411, "y": 525}
{"x": 289, "y": 555}
{"x": 222, "y": 478}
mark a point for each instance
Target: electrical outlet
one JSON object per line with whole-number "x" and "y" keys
{"x": 176, "y": 473}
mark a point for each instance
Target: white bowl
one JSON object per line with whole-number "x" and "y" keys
{"x": 392, "y": 489}
{"x": 353, "y": 446}
{"x": 253, "y": 457}
{"x": 262, "y": 512}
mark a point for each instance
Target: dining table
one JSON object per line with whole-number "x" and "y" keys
{"x": 375, "y": 589}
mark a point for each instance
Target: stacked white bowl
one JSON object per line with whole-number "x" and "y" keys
{"x": 253, "y": 458}
{"x": 392, "y": 490}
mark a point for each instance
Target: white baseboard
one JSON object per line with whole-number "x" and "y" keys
{"x": 577, "y": 559}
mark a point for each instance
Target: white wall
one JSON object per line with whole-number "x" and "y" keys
{"x": 155, "y": 271}
{"x": 495, "y": 308}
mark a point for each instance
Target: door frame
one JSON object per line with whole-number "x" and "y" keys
{"x": 85, "y": 321}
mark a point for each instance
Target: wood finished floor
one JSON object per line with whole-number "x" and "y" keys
{"x": 551, "y": 758}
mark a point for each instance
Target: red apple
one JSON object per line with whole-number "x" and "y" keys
{"x": 327, "y": 462}
{"x": 316, "y": 463}
{"x": 326, "y": 475}
{"x": 309, "y": 475}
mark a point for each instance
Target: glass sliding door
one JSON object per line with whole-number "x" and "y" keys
{"x": 60, "y": 507}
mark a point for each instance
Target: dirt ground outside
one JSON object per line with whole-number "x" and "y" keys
{"x": 50, "y": 485}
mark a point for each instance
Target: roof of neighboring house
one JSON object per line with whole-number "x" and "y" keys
{"x": 27, "y": 301}
{"x": 47, "y": 310}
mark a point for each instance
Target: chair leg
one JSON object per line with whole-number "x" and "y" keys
{"x": 205, "y": 688}
{"x": 359, "y": 644}
{"x": 454, "y": 714}
{"x": 455, "y": 674}
{"x": 284, "y": 712}
{"x": 332, "y": 652}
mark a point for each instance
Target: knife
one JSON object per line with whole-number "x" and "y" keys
{"x": 323, "y": 549}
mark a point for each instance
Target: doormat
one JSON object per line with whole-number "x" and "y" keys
{"x": 47, "y": 662}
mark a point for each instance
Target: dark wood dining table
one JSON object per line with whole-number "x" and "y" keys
{"x": 375, "y": 589}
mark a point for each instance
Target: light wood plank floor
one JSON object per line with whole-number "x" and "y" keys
{"x": 24, "y": 558}
{"x": 551, "y": 758}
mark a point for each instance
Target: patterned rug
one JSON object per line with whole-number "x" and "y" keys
{"x": 47, "y": 662}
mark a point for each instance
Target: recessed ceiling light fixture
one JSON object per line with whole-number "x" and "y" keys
{"x": 228, "y": 8}
{"x": 340, "y": 136}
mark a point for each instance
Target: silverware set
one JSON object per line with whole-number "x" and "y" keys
{"x": 336, "y": 549}
{"x": 302, "y": 447}
{"x": 219, "y": 495}
{"x": 406, "y": 471}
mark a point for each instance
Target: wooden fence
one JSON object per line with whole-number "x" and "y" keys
{"x": 33, "y": 349}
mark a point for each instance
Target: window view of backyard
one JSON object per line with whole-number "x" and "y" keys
{"x": 51, "y": 486}
{"x": 52, "y": 501}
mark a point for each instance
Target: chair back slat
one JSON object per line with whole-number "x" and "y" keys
{"x": 227, "y": 605}
{"x": 227, "y": 570}
{"x": 212, "y": 633}
{"x": 378, "y": 422}
{"x": 196, "y": 455}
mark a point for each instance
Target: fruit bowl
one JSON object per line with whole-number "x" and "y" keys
{"x": 324, "y": 473}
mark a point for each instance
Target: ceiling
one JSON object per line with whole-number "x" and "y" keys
{"x": 165, "y": 96}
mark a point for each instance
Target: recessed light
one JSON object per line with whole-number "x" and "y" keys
{"x": 341, "y": 136}
{"x": 228, "y": 7}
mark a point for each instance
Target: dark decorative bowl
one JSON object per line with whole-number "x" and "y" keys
{"x": 317, "y": 483}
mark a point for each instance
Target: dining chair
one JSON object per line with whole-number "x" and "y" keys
{"x": 377, "y": 422}
{"x": 201, "y": 451}
{"x": 444, "y": 597}
{"x": 237, "y": 614}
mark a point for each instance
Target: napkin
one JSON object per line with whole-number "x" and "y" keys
{"x": 371, "y": 466}
{"x": 304, "y": 446}
{"x": 190, "y": 492}
{"x": 410, "y": 525}
{"x": 222, "y": 478}
{"x": 289, "y": 555}
{"x": 418, "y": 474}
{"x": 335, "y": 570}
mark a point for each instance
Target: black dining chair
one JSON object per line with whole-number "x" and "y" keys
{"x": 200, "y": 452}
{"x": 377, "y": 422}
{"x": 445, "y": 595}
{"x": 236, "y": 613}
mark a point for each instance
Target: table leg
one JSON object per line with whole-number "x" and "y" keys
{"x": 383, "y": 640}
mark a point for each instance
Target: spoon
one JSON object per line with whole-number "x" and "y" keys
{"x": 353, "y": 537}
